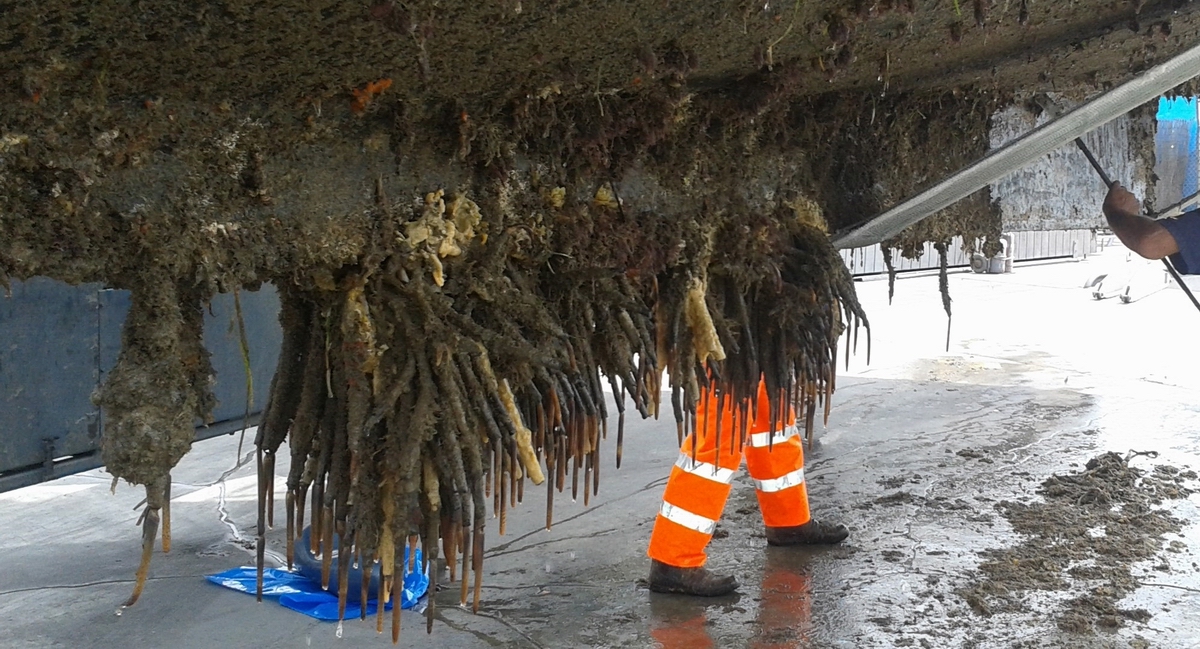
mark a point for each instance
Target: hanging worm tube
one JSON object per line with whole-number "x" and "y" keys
{"x": 326, "y": 545}
{"x": 891, "y": 271}
{"x": 944, "y": 285}
{"x": 166, "y": 515}
{"x": 150, "y": 519}
{"x": 397, "y": 591}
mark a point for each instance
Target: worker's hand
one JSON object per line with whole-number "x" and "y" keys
{"x": 1121, "y": 201}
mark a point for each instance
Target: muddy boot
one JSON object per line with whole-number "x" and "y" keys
{"x": 689, "y": 581}
{"x": 813, "y": 532}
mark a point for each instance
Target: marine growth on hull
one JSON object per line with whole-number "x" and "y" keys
{"x": 483, "y": 218}
{"x": 463, "y": 358}
{"x": 454, "y": 325}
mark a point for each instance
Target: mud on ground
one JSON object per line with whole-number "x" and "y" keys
{"x": 1082, "y": 540}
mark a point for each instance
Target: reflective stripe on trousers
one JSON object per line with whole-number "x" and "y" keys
{"x": 699, "y": 484}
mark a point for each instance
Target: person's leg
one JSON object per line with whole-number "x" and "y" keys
{"x": 776, "y": 463}
{"x": 692, "y": 504}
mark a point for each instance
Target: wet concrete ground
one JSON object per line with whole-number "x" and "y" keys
{"x": 922, "y": 444}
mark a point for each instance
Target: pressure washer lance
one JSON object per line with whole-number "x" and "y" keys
{"x": 1109, "y": 183}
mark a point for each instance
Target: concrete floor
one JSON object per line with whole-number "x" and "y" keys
{"x": 1039, "y": 377}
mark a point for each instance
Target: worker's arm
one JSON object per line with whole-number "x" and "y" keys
{"x": 1141, "y": 234}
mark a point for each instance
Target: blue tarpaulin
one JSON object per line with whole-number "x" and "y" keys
{"x": 299, "y": 593}
{"x": 1177, "y": 150}
{"x": 1181, "y": 108}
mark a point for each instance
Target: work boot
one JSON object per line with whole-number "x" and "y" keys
{"x": 813, "y": 532}
{"x": 689, "y": 581}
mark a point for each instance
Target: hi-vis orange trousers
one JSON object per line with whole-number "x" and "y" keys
{"x": 700, "y": 484}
